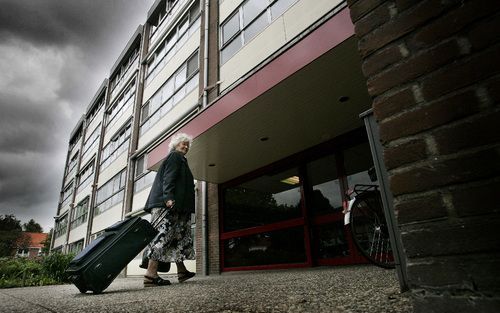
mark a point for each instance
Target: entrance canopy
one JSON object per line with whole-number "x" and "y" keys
{"x": 310, "y": 94}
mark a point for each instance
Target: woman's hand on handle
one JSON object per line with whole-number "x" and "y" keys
{"x": 170, "y": 203}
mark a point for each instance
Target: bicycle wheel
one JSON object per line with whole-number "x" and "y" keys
{"x": 369, "y": 229}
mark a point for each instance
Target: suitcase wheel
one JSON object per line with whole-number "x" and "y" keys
{"x": 82, "y": 290}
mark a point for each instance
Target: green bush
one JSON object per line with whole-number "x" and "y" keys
{"x": 22, "y": 272}
{"x": 55, "y": 265}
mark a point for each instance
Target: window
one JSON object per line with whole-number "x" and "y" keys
{"x": 144, "y": 178}
{"x": 264, "y": 200}
{"x": 91, "y": 141}
{"x": 72, "y": 165}
{"x": 189, "y": 23}
{"x": 183, "y": 81}
{"x": 118, "y": 144}
{"x": 139, "y": 167}
{"x": 85, "y": 176}
{"x": 145, "y": 112}
{"x": 61, "y": 227}
{"x": 93, "y": 111}
{"x": 274, "y": 247}
{"x": 111, "y": 193}
{"x": 279, "y": 7}
{"x": 183, "y": 25}
{"x": 231, "y": 27}
{"x": 23, "y": 253}
{"x": 251, "y": 9}
{"x": 76, "y": 247}
{"x": 122, "y": 73}
{"x": 247, "y": 22}
{"x": 358, "y": 161}
{"x": 192, "y": 65}
{"x": 79, "y": 215}
{"x": 166, "y": 14}
{"x": 68, "y": 191}
{"x": 122, "y": 104}
{"x": 326, "y": 196}
{"x": 73, "y": 142}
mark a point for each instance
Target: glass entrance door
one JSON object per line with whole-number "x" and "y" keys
{"x": 263, "y": 223}
{"x": 292, "y": 217}
{"x": 330, "y": 240}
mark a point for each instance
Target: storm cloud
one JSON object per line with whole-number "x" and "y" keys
{"x": 53, "y": 56}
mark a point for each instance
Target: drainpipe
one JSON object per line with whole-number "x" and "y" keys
{"x": 204, "y": 221}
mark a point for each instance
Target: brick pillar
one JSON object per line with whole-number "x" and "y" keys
{"x": 433, "y": 71}
{"x": 213, "y": 228}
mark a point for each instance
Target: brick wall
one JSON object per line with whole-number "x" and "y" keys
{"x": 433, "y": 71}
{"x": 198, "y": 234}
{"x": 213, "y": 229}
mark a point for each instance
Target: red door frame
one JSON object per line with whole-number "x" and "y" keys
{"x": 308, "y": 223}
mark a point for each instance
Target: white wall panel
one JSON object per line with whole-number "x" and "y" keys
{"x": 174, "y": 115}
{"x": 139, "y": 199}
{"x": 304, "y": 13}
{"x": 64, "y": 209}
{"x": 107, "y": 218}
{"x": 257, "y": 50}
{"x": 78, "y": 233}
{"x": 84, "y": 193}
{"x": 114, "y": 168}
{"x": 91, "y": 153}
{"x": 227, "y": 7}
{"x": 60, "y": 241}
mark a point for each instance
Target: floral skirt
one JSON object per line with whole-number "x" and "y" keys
{"x": 173, "y": 243}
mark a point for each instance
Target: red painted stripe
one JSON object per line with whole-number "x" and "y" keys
{"x": 327, "y": 36}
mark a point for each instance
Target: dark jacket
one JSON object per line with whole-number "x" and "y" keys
{"x": 174, "y": 181}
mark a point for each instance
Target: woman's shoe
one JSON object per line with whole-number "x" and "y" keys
{"x": 183, "y": 276}
{"x": 157, "y": 281}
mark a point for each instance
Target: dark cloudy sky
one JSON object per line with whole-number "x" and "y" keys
{"x": 54, "y": 54}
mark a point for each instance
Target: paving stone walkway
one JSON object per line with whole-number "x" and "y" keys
{"x": 324, "y": 289}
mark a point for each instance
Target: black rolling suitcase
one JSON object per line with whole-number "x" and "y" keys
{"x": 95, "y": 267}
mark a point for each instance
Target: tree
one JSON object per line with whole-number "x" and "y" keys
{"x": 32, "y": 227}
{"x": 10, "y": 231}
{"x": 9, "y": 223}
{"x": 46, "y": 243}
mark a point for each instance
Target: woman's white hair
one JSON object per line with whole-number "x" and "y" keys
{"x": 178, "y": 138}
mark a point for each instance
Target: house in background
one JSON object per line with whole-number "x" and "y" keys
{"x": 30, "y": 245}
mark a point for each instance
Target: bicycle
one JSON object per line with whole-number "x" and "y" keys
{"x": 364, "y": 214}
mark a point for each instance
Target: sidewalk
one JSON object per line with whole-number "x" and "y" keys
{"x": 325, "y": 289}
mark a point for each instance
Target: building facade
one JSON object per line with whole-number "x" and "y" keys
{"x": 272, "y": 92}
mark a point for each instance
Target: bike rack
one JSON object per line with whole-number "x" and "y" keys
{"x": 395, "y": 236}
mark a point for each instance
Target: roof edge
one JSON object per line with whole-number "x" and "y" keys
{"x": 97, "y": 95}
{"x": 130, "y": 43}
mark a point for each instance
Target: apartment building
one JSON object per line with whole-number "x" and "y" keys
{"x": 272, "y": 92}
{"x": 279, "y": 139}
{"x": 275, "y": 117}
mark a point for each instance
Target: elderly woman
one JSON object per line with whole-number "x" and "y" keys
{"x": 173, "y": 190}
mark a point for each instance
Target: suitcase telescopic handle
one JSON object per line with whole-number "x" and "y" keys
{"x": 156, "y": 223}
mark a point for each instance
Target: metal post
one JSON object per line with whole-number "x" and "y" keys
{"x": 387, "y": 200}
